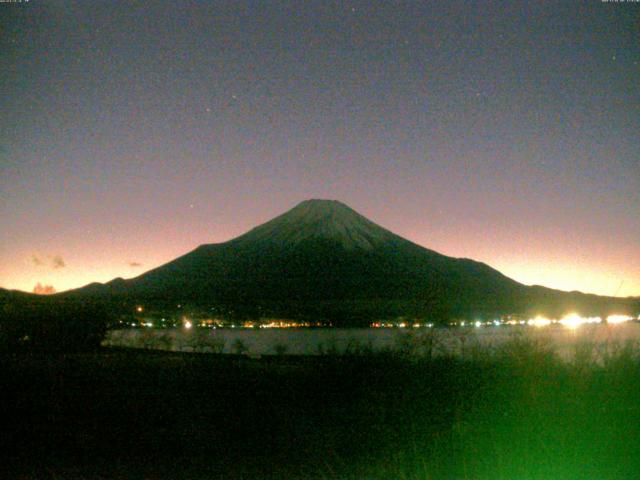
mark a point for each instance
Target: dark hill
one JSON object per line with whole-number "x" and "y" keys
{"x": 323, "y": 259}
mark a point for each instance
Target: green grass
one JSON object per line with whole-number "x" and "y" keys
{"x": 516, "y": 412}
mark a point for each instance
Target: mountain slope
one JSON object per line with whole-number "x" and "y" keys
{"x": 324, "y": 259}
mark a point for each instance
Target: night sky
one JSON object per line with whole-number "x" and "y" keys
{"x": 506, "y": 132}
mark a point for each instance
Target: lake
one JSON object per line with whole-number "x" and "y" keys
{"x": 416, "y": 341}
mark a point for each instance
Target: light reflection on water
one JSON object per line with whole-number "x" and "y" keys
{"x": 314, "y": 341}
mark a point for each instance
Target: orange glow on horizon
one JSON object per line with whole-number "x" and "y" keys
{"x": 557, "y": 277}
{"x": 105, "y": 259}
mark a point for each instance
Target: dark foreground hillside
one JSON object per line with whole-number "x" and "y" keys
{"x": 515, "y": 414}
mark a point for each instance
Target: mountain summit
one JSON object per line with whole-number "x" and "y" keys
{"x": 323, "y": 260}
{"x": 330, "y": 220}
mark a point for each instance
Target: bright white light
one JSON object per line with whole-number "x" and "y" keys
{"x": 188, "y": 324}
{"x": 539, "y": 321}
{"x": 478, "y": 323}
{"x": 618, "y": 318}
{"x": 574, "y": 320}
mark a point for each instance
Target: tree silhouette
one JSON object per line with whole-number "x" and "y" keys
{"x": 52, "y": 325}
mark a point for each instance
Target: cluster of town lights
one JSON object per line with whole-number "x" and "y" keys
{"x": 188, "y": 324}
{"x": 571, "y": 321}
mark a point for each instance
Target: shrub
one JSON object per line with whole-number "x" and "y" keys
{"x": 280, "y": 349}
{"x": 216, "y": 343}
{"x": 239, "y": 347}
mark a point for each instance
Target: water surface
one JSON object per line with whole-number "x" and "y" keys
{"x": 419, "y": 341}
